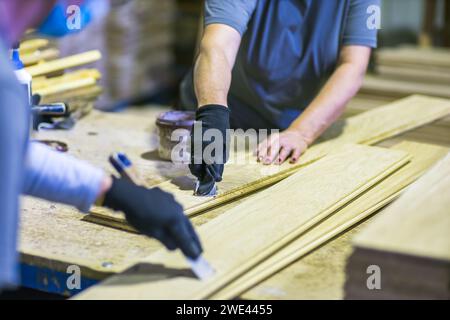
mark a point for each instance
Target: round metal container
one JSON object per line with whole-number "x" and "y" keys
{"x": 167, "y": 123}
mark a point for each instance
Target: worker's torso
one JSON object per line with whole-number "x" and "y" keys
{"x": 290, "y": 48}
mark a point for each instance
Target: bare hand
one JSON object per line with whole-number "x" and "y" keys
{"x": 280, "y": 146}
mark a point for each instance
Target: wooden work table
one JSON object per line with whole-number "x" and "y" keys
{"x": 54, "y": 236}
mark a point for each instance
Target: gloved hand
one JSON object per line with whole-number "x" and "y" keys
{"x": 156, "y": 214}
{"x": 209, "y": 169}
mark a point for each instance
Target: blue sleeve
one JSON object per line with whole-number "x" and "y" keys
{"x": 61, "y": 178}
{"x": 13, "y": 140}
{"x": 363, "y": 19}
{"x": 234, "y": 13}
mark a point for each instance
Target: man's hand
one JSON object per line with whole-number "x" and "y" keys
{"x": 209, "y": 167}
{"x": 278, "y": 147}
{"x": 156, "y": 214}
{"x": 325, "y": 109}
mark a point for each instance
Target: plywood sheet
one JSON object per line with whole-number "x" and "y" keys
{"x": 424, "y": 156}
{"x": 247, "y": 234}
{"x": 239, "y": 180}
{"x": 418, "y": 223}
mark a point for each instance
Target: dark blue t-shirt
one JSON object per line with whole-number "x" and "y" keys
{"x": 289, "y": 49}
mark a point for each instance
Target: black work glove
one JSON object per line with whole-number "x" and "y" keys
{"x": 209, "y": 169}
{"x": 156, "y": 214}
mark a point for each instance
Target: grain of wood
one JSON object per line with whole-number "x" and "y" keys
{"x": 424, "y": 156}
{"x": 246, "y": 235}
{"x": 239, "y": 180}
{"x": 418, "y": 223}
{"x": 64, "y": 63}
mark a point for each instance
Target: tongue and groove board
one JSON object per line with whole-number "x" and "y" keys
{"x": 418, "y": 223}
{"x": 240, "y": 180}
{"x": 251, "y": 232}
{"x": 424, "y": 156}
{"x": 410, "y": 242}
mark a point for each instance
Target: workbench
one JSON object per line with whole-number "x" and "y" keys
{"x": 54, "y": 237}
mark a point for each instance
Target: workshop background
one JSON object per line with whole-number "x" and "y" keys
{"x": 146, "y": 47}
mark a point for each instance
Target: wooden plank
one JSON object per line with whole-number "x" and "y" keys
{"x": 39, "y": 56}
{"x": 84, "y": 94}
{"x": 426, "y": 57}
{"x": 242, "y": 237}
{"x": 64, "y": 63}
{"x": 409, "y": 242}
{"x": 418, "y": 223}
{"x": 319, "y": 275}
{"x": 414, "y": 74}
{"x": 240, "y": 180}
{"x": 424, "y": 156}
{"x": 402, "y": 88}
{"x": 28, "y": 46}
{"x": 402, "y": 276}
{"x": 43, "y": 82}
{"x": 49, "y": 229}
{"x": 66, "y": 87}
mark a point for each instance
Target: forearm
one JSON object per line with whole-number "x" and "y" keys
{"x": 58, "y": 177}
{"x": 215, "y": 61}
{"x": 212, "y": 77}
{"x": 330, "y": 103}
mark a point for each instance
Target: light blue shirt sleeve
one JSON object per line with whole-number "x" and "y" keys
{"x": 13, "y": 144}
{"x": 61, "y": 178}
{"x": 360, "y": 25}
{"x": 32, "y": 169}
{"x": 233, "y": 13}
{"x": 13, "y": 140}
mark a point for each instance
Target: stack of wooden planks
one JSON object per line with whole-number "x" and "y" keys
{"x": 137, "y": 40}
{"x": 56, "y": 81}
{"x": 408, "y": 244}
{"x": 434, "y": 133}
{"x": 55, "y": 78}
{"x": 410, "y": 70}
{"x": 37, "y": 50}
{"x": 336, "y": 188}
{"x": 243, "y": 179}
{"x": 423, "y": 157}
{"x": 254, "y": 230}
{"x": 402, "y": 71}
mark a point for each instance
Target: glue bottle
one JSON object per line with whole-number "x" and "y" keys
{"x": 22, "y": 75}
